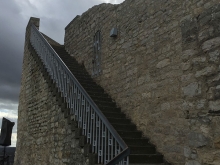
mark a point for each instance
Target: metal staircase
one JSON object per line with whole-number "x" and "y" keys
{"x": 107, "y": 136}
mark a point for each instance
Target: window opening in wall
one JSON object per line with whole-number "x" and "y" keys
{"x": 97, "y": 54}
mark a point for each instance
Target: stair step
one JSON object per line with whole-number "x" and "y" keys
{"x": 114, "y": 115}
{"x": 131, "y": 134}
{"x": 141, "y": 149}
{"x": 92, "y": 88}
{"x": 147, "y": 164}
{"x": 109, "y": 109}
{"x": 113, "y": 110}
{"x": 137, "y": 141}
{"x": 131, "y": 127}
{"x": 118, "y": 120}
{"x": 146, "y": 158}
{"x": 97, "y": 94}
{"x": 101, "y": 98}
{"x": 105, "y": 104}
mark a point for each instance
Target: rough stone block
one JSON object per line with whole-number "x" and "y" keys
{"x": 199, "y": 60}
{"x": 214, "y": 56}
{"x": 188, "y": 53}
{"x": 186, "y": 66}
{"x": 82, "y": 141}
{"x": 214, "y": 105}
{"x": 197, "y": 139}
{"x": 187, "y": 151}
{"x": 192, "y": 162}
{"x": 191, "y": 89}
{"x": 217, "y": 142}
{"x": 163, "y": 63}
{"x": 93, "y": 159}
{"x": 206, "y": 32}
{"x": 74, "y": 125}
{"x": 78, "y": 133}
{"x": 211, "y": 44}
{"x": 87, "y": 149}
{"x": 206, "y": 71}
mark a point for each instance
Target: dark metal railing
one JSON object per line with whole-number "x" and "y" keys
{"x": 105, "y": 141}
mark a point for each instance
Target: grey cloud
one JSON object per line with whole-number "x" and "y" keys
{"x": 9, "y": 106}
{"x": 11, "y": 50}
{"x": 54, "y": 17}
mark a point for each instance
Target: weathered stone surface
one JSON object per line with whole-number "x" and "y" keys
{"x": 206, "y": 71}
{"x": 206, "y": 32}
{"x": 199, "y": 60}
{"x": 214, "y": 56}
{"x": 163, "y": 63}
{"x": 197, "y": 139}
{"x": 189, "y": 53}
{"x": 191, "y": 89}
{"x": 192, "y": 162}
{"x": 186, "y": 66}
{"x": 214, "y": 105}
{"x": 217, "y": 142}
{"x": 211, "y": 44}
{"x": 187, "y": 152}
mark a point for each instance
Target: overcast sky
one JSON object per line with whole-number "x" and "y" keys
{"x": 14, "y": 15}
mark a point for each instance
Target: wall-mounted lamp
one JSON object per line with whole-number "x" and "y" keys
{"x": 114, "y": 32}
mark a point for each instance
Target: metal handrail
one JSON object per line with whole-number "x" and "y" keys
{"x": 99, "y": 132}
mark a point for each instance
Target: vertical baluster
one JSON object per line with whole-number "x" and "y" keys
{"x": 37, "y": 45}
{"x": 112, "y": 146}
{"x": 93, "y": 132}
{"x": 48, "y": 63}
{"x": 71, "y": 96}
{"x": 85, "y": 114}
{"x": 59, "y": 78}
{"x": 108, "y": 146}
{"x": 96, "y": 133}
{"x": 65, "y": 84}
{"x": 56, "y": 73}
{"x": 45, "y": 57}
{"x": 77, "y": 109}
{"x": 77, "y": 105}
{"x": 52, "y": 68}
{"x": 80, "y": 108}
{"x": 75, "y": 101}
{"x": 115, "y": 148}
{"x": 102, "y": 142}
{"x": 68, "y": 92}
{"x": 105, "y": 149}
{"x": 99, "y": 139}
{"x": 90, "y": 124}
{"x": 127, "y": 160}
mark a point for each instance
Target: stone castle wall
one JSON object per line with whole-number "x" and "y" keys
{"x": 44, "y": 137}
{"x": 162, "y": 70}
